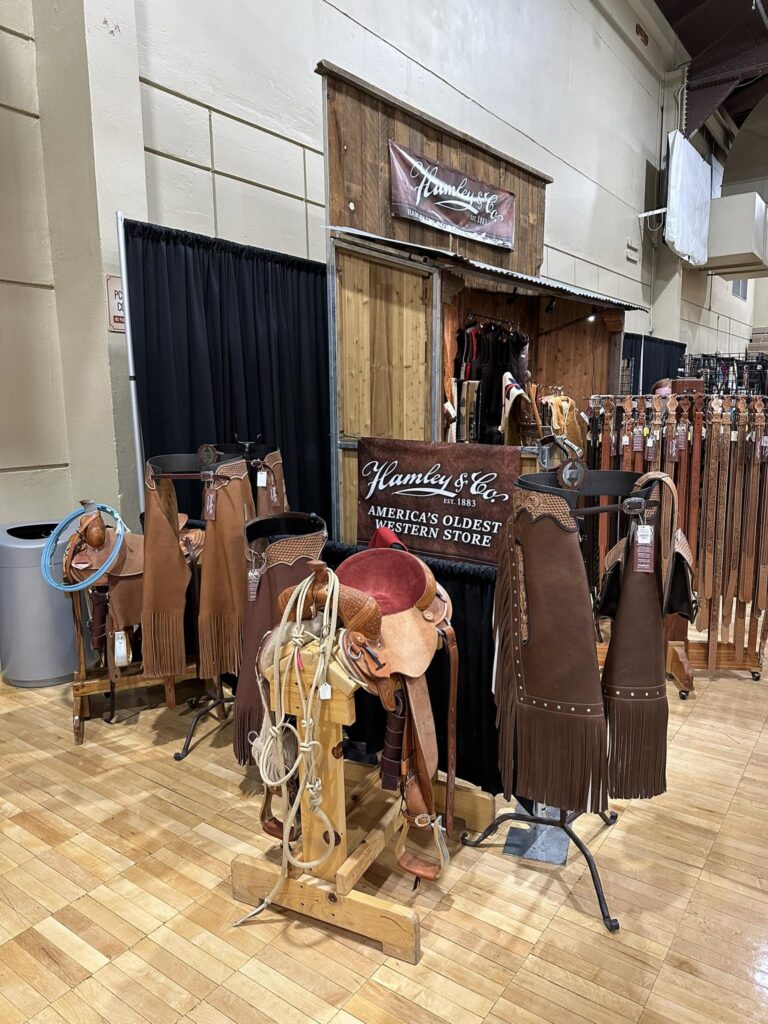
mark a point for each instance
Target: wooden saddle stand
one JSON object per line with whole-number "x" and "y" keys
{"x": 392, "y": 617}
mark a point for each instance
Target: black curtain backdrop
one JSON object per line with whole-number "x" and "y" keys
{"x": 229, "y": 340}
{"x": 471, "y": 589}
{"x": 660, "y": 358}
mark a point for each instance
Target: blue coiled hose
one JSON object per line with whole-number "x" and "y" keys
{"x": 50, "y": 548}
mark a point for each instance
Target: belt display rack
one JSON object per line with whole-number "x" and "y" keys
{"x": 715, "y": 448}
{"x": 728, "y": 375}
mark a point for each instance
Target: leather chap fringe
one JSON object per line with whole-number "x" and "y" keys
{"x": 562, "y": 759}
{"x": 162, "y": 640}
{"x": 637, "y": 752}
{"x": 221, "y": 643}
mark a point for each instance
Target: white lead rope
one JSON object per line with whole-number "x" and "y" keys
{"x": 269, "y": 751}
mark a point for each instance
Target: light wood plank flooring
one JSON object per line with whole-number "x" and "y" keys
{"x": 115, "y": 902}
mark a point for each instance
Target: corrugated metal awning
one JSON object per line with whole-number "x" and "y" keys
{"x": 525, "y": 282}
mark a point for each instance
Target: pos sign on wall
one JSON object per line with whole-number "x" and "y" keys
{"x": 115, "y": 305}
{"x": 443, "y": 500}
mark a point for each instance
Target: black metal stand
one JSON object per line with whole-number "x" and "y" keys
{"x": 214, "y": 704}
{"x": 567, "y": 818}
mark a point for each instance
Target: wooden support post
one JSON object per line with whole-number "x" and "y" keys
{"x": 394, "y": 926}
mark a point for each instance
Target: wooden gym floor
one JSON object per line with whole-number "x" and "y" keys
{"x": 115, "y": 902}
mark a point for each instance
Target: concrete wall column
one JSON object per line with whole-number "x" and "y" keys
{"x": 90, "y": 116}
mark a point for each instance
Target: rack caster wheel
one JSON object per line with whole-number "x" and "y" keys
{"x": 756, "y": 676}
{"x": 611, "y": 924}
{"x": 683, "y": 695}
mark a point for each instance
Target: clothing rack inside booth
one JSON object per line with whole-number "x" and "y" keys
{"x": 481, "y": 318}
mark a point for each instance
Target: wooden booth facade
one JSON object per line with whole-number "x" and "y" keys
{"x": 405, "y": 275}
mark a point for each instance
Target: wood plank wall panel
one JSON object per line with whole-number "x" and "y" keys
{"x": 384, "y": 360}
{"x": 577, "y": 357}
{"x": 359, "y": 127}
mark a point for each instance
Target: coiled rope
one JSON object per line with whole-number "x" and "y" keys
{"x": 50, "y": 548}
{"x": 269, "y": 749}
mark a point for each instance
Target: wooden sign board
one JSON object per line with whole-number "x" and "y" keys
{"x": 443, "y": 500}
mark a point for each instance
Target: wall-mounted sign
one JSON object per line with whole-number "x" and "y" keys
{"x": 445, "y": 198}
{"x": 115, "y": 305}
{"x": 444, "y": 500}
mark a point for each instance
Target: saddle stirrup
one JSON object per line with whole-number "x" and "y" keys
{"x": 415, "y": 865}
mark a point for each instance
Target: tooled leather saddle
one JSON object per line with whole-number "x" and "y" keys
{"x": 394, "y": 616}
{"x": 114, "y": 598}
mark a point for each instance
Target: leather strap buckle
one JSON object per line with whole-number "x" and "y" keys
{"x": 634, "y": 505}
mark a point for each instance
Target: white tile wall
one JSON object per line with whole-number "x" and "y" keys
{"x": 315, "y": 165}
{"x": 256, "y": 216}
{"x": 35, "y": 494}
{"x": 30, "y": 336}
{"x": 25, "y": 253}
{"x": 18, "y": 81}
{"x": 17, "y": 15}
{"x": 257, "y": 156}
{"x": 586, "y": 275}
{"x": 175, "y": 126}
{"x": 316, "y": 233}
{"x": 609, "y": 283}
{"x": 179, "y": 196}
{"x": 561, "y": 266}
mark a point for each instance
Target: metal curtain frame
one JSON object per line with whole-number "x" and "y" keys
{"x": 417, "y": 264}
{"x": 138, "y": 446}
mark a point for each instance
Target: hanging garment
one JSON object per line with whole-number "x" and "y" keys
{"x": 511, "y": 392}
{"x": 227, "y": 504}
{"x": 166, "y": 577}
{"x": 279, "y": 549}
{"x": 565, "y": 419}
{"x": 566, "y": 737}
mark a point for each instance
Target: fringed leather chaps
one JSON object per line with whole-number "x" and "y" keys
{"x": 567, "y": 739}
{"x": 280, "y": 549}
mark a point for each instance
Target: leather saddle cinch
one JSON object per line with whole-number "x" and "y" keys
{"x": 394, "y": 618}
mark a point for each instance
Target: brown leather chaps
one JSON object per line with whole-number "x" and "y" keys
{"x": 568, "y": 738}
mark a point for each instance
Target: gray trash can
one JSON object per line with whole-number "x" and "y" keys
{"x": 37, "y": 632}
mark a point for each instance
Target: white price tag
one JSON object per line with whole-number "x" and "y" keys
{"x": 584, "y": 416}
{"x": 734, "y": 435}
{"x": 325, "y": 691}
{"x": 645, "y": 535}
{"x": 261, "y": 478}
{"x": 122, "y": 652}
{"x": 625, "y": 440}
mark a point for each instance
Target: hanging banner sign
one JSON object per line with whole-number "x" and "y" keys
{"x": 444, "y": 500}
{"x": 445, "y": 198}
